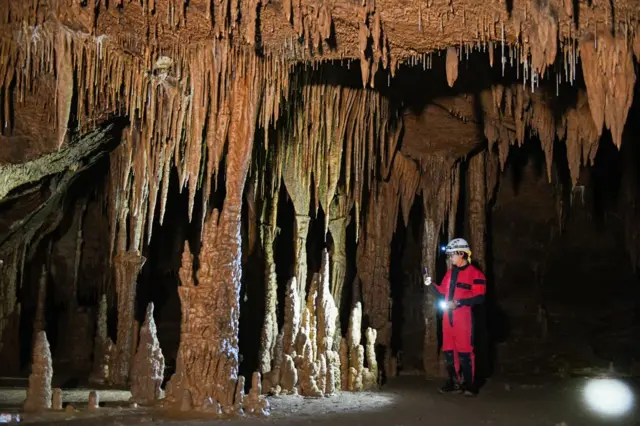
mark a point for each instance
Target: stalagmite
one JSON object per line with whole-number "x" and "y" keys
{"x": 344, "y": 365}
{"x": 355, "y": 350}
{"x": 94, "y": 401}
{"x": 292, "y": 317}
{"x": 103, "y": 347}
{"x": 288, "y": 375}
{"x": 39, "y": 391}
{"x": 238, "y": 396}
{"x": 270, "y": 326}
{"x": 340, "y": 219}
{"x": 326, "y": 309}
{"x": 452, "y": 66}
{"x": 147, "y": 372}
{"x": 56, "y": 399}
{"x": 127, "y": 266}
{"x": 371, "y": 376}
{"x": 255, "y": 402}
{"x": 307, "y": 368}
{"x": 208, "y": 353}
{"x": 477, "y": 207}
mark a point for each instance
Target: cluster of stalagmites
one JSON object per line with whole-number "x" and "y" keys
{"x": 305, "y": 362}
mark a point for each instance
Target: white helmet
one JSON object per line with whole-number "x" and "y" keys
{"x": 458, "y": 245}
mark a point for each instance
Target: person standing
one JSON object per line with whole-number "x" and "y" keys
{"x": 462, "y": 287}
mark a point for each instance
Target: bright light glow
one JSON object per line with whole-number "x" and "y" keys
{"x": 608, "y": 396}
{"x": 443, "y": 305}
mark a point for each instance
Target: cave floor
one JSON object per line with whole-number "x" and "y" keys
{"x": 406, "y": 400}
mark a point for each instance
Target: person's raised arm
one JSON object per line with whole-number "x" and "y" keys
{"x": 432, "y": 288}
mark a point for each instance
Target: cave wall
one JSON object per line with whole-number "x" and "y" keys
{"x": 562, "y": 276}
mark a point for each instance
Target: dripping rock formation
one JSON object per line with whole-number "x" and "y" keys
{"x": 273, "y": 181}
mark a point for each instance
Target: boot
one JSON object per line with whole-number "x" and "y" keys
{"x": 451, "y": 384}
{"x": 469, "y": 388}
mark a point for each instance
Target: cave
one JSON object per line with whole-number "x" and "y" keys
{"x": 215, "y": 210}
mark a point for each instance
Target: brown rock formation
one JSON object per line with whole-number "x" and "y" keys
{"x": 477, "y": 207}
{"x": 270, "y": 327}
{"x": 39, "y": 391}
{"x": 255, "y": 403}
{"x": 56, "y": 399}
{"x": 186, "y": 78}
{"x": 103, "y": 347}
{"x": 9, "y": 315}
{"x": 147, "y": 372}
{"x": 127, "y": 266}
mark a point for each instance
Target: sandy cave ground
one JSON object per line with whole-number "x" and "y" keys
{"x": 407, "y": 400}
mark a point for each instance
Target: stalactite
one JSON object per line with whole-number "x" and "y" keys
{"x": 64, "y": 84}
{"x": 452, "y": 66}
{"x": 581, "y": 136}
{"x": 541, "y": 36}
{"x": 440, "y": 191}
{"x": 609, "y": 76}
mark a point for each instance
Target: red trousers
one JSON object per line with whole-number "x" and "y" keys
{"x": 458, "y": 338}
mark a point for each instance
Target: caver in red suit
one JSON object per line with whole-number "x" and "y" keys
{"x": 463, "y": 286}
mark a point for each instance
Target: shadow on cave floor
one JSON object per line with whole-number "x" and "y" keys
{"x": 407, "y": 400}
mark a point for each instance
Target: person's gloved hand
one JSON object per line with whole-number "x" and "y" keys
{"x": 451, "y": 305}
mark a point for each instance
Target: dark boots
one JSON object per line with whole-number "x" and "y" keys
{"x": 452, "y": 384}
{"x": 469, "y": 388}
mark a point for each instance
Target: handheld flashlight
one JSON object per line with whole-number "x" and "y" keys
{"x": 443, "y": 305}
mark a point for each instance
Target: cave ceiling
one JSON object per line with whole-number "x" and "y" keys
{"x": 382, "y": 34}
{"x": 499, "y": 72}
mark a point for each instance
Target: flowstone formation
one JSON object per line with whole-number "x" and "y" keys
{"x": 147, "y": 372}
{"x": 39, "y": 393}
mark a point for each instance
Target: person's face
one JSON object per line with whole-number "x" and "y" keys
{"x": 456, "y": 259}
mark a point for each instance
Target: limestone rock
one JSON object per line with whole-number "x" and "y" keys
{"x": 255, "y": 403}
{"x": 103, "y": 347}
{"x": 94, "y": 401}
{"x": 371, "y": 335}
{"x": 56, "y": 399}
{"x": 39, "y": 391}
{"x": 289, "y": 374}
{"x": 238, "y": 399}
{"x": 147, "y": 373}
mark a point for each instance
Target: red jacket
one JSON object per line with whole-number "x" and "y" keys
{"x": 466, "y": 286}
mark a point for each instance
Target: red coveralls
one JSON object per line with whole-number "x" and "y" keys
{"x": 467, "y": 287}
